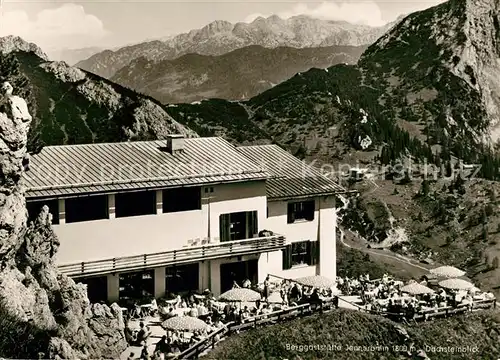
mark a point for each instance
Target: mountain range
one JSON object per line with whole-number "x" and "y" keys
{"x": 220, "y": 37}
{"x": 239, "y": 74}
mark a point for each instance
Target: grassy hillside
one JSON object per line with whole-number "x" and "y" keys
{"x": 346, "y": 328}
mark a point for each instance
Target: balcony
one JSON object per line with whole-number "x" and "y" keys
{"x": 175, "y": 257}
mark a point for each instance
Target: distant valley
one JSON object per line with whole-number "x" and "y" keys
{"x": 237, "y": 75}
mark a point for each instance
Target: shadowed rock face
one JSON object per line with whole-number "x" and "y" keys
{"x": 31, "y": 287}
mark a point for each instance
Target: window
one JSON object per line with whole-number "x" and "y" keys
{"x": 238, "y": 226}
{"x": 301, "y": 210}
{"x": 135, "y": 203}
{"x": 97, "y": 288}
{"x": 86, "y": 208}
{"x": 300, "y": 253}
{"x": 35, "y": 207}
{"x": 136, "y": 285}
{"x": 182, "y": 278}
{"x": 181, "y": 199}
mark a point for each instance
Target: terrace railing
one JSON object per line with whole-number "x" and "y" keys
{"x": 173, "y": 257}
{"x": 263, "y": 319}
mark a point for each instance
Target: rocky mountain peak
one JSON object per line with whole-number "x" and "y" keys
{"x": 31, "y": 287}
{"x": 13, "y": 43}
{"x": 461, "y": 37}
{"x": 215, "y": 27}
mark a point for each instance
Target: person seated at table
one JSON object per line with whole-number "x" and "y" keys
{"x": 227, "y": 310}
{"x": 247, "y": 284}
{"x": 135, "y": 313}
{"x": 218, "y": 323}
{"x": 143, "y": 334}
{"x": 162, "y": 346}
{"x": 315, "y": 299}
{"x": 202, "y": 311}
{"x": 245, "y": 313}
{"x": 193, "y": 312}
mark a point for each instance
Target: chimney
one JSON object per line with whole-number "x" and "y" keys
{"x": 175, "y": 143}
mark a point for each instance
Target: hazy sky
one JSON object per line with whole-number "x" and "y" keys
{"x": 59, "y": 24}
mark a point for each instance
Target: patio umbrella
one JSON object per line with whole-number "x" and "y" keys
{"x": 184, "y": 323}
{"x": 416, "y": 289}
{"x": 275, "y": 298}
{"x": 456, "y": 284}
{"x": 240, "y": 294}
{"x": 317, "y": 281}
{"x": 447, "y": 271}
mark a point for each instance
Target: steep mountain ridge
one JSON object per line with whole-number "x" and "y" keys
{"x": 9, "y": 44}
{"x": 239, "y": 74}
{"x": 461, "y": 43}
{"x": 220, "y": 37}
{"x": 70, "y": 105}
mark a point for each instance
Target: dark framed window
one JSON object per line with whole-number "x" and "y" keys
{"x": 86, "y": 208}
{"x": 97, "y": 288}
{"x": 182, "y": 278}
{"x": 135, "y": 203}
{"x": 238, "y": 226}
{"x": 300, "y": 253}
{"x": 181, "y": 199}
{"x": 301, "y": 210}
{"x": 35, "y": 207}
{"x": 139, "y": 285}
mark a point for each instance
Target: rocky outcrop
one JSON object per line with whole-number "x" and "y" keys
{"x": 31, "y": 288}
{"x": 12, "y": 43}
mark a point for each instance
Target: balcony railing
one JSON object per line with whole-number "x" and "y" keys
{"x": 178, "y": 256}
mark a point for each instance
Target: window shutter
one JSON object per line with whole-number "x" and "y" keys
{"x": 254, "y": 224}
{"x": 291, "y": 213}
{"x": 314, "y": 252}
{"x": 311, "y": 248}
{"x": 224, "y": 227}
{"x": 287, "y": 257}
{"x": 310, "y": 208}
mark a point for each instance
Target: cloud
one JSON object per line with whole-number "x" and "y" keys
{"x": 366, "y": 12}
{"x": 67, "y": 26}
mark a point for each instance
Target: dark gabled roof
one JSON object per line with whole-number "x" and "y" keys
{"x": 289, "y": 177}
{"x": 78, "y": 169}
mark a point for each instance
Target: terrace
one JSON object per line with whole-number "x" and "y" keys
{"x": 187, "y": 254}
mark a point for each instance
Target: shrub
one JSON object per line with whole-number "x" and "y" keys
{"x": 21, "y": 340}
